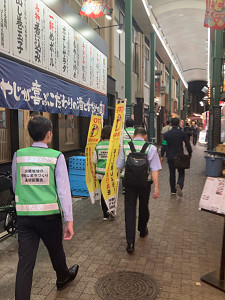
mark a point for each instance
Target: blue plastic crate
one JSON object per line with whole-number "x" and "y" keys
{"x": 80, "y": 192}
{"x": 77, "y": 162}
{"x": 77, "y": 172}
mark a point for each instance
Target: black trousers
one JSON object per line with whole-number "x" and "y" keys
{"x": 181, "y": 176}
{"x": 195, "y": 137}
{"x": 131, "y": 195}
{"x": 30, "y": 230}
{"x": 103, "y": 204}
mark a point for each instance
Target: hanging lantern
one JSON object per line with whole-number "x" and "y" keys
{"x": 215, "y": 14}
{"x": 95, "y": 8}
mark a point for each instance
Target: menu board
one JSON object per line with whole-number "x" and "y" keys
{"x": 33, "y": 33}
{"x": 213, "y": 195}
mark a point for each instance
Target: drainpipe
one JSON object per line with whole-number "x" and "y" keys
{"x": 170, "y": 91}
{"x": 128, "y": 57}
{"x": 151, "y": 129}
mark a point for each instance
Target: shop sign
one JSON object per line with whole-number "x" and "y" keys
{"x": 95, "y": 8}
{"x": 33, "y": 33}
{"x": 157, "y": 87}
{"x": 215, "y": 14}
{"x": 212, "y": 198}
{"x": 25, "y": 88}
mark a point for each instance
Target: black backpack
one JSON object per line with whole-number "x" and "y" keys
{"x": 137, "y": 166}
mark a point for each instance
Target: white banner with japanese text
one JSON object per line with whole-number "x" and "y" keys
{"x": 33, "y": 33}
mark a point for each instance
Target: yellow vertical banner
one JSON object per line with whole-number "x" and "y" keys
{"x": 109, "y": 184}
{"x": 94, "y": 134}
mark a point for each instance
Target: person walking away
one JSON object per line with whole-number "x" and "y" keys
{"x": 166, "y": 128}
{"x": 41, "y": 186}
{"x": 137, "y": 183}
{"x": 99, "y": 159}
{"x": 188, "y": 131}
{"x": 195, "y": 131}
{"x": 127, "y": 136}
{"x": 173, "y": 144}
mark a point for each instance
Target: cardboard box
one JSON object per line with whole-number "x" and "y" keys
{"x": 220, "y": 148}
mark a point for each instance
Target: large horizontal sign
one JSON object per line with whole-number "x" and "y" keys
{"x": 25, "y": 88}
{"x": 33, "y": 33}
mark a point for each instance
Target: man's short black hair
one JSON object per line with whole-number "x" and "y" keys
{"x": 175, "y": 122}
{"x": 106, "y": 132}
{"x": 168, "y": 122}
{"x": 129, "y": 122}
{"x": 38, "y": 128}
{"x": 140, "y": 131}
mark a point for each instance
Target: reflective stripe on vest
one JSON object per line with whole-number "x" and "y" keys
{"x": 37, "y": 207}
{"x": 138, "y": 145}
{"x": 36, "y": 159}
{"x": 130, "y": 131}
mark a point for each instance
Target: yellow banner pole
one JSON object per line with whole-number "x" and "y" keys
{"x": 110, "y": 183}
{"x": 94, "y": 134}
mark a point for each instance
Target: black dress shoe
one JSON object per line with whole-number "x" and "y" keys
{"x": 72, "y": 274}
{"x": 144, "y": 233}
{"x": 130, "y": 247}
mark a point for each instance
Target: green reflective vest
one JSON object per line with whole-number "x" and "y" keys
{"x": 36, "y": 193}
{"x": 101, "y": 149}
{"x": 126, "y": 149}
{"x": 128, "y": 134}
{"x": 138, "y": 146}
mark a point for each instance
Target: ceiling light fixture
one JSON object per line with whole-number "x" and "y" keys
{"x": 109, "y": 15}
{"x": 170, "y": 55}
{"x": 119, "y": 30}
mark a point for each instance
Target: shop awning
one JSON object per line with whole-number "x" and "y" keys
{"x": 22, "y": 87}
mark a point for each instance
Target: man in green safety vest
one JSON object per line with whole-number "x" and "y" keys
{"x": 41, "y": 186}
{"x": 99, "y": 159}
{"x": 137, "y": 188}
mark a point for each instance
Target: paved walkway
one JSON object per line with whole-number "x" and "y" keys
{"x": 183, "y": 244}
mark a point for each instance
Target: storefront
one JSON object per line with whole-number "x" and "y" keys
{"x": 48, "y": 67}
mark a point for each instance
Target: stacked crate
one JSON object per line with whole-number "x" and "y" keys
{"x": 77, "y": 176}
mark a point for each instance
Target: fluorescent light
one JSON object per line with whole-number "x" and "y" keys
{"x": 170, "y": 55}
{"x": 119, "y": 30}
{"x": 146, "y": 7}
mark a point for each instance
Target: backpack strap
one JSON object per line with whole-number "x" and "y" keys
{"x": 128, "y": 134}
{"x": 144, "y": 148}
{"x": 132, "y": 148}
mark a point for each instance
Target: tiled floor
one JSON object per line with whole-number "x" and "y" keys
{"x": 183, "y": 244}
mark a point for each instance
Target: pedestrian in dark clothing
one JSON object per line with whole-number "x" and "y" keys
{"x": 195, "y": 134}
{"x": 139, "y": 187}
{"x": 172, "y": 145}
{"x": 188, "y": 130}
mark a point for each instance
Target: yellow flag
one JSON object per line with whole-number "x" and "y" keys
{"x": 94, "y": 134}
{"x": 110, "y": 180}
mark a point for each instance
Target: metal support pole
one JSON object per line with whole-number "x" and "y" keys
{"x": 212, "y": 48}
{"x": 128, "y": 56}
{"x": 217, "y": 83}
{"x": 151, "y": 129}
{"x": 179, "y": 96}
{"x": 170, "y": 91}
{"x": 186, "y": 100}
